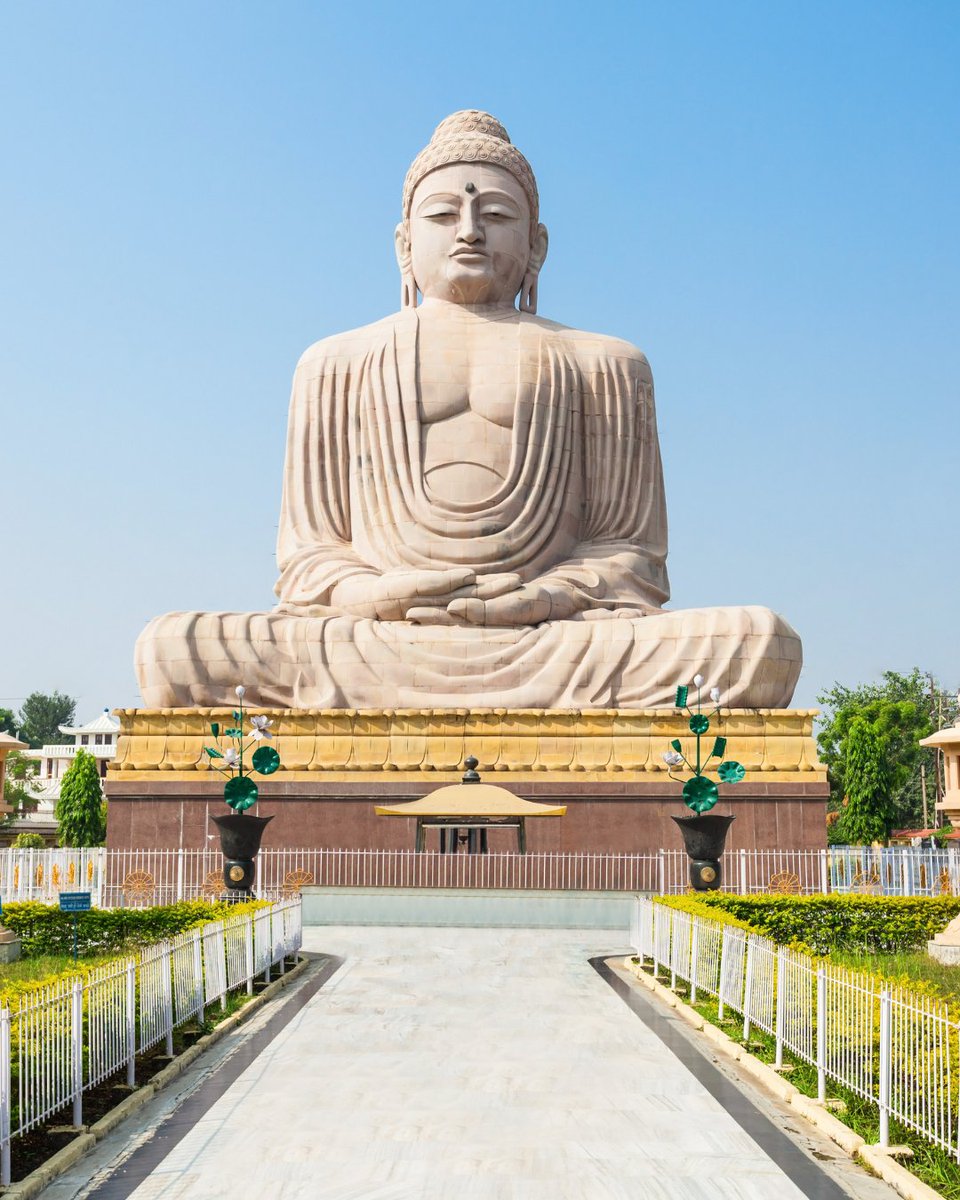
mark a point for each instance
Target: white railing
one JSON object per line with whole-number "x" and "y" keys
{"x": 43, "y": 874}
{"x": 895, "y": 1047}
{"x": 68, "y": 1036}
{"x": 134, "y": 878}
{"x": 139, "y": 877}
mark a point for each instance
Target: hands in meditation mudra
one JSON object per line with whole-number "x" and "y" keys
{"x": 473, "y": 511}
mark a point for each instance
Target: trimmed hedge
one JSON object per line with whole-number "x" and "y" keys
{"x": 879, "y": 924}
{"x": 697, "y": 907}
{"x": 44, "y": 929}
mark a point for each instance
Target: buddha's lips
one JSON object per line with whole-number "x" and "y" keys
{"x": 469, "y": 254}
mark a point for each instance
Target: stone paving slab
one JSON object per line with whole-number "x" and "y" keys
{"x": 466, "y": 1064}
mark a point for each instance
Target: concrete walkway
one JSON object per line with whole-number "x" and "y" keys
{"x": 467, "y": 1064}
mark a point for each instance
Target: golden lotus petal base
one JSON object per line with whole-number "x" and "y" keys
{"x": 531, "y": 745}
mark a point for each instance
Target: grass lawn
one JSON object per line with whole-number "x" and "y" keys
{"x": 915, "y": 964}
{"x": 27, "y": 970}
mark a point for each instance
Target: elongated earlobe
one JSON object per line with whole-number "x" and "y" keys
{"x": 528, "y": 292}
{"x": 538, "y": 254}
{"x": 408, "y": 290}
{"x": 408, "y": 285}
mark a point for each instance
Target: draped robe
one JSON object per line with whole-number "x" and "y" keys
{"x": 581, "y": 505}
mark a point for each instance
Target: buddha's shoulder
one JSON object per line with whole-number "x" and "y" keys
{"x": 325, "y": 353}
{"x": 594, "y": 349}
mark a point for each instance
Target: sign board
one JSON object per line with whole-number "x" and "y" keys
{"x": 74, "y": 901}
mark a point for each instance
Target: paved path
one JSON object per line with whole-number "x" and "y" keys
{"x": 446, "y": 1064}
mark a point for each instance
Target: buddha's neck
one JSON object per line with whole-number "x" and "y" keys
{"x": 447, "y": 309}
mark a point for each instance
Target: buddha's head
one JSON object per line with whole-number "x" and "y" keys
{"x": 470, "y": 232}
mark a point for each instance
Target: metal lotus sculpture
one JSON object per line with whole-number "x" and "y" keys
{"x": 700, "y": 792}
{"x": 240, "y": 791}
{"x": 703, "y": 835}
{"x": 234, "y": 756}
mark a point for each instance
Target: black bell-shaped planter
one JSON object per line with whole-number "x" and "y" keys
{"x": 240, "y": 837}
{"x": 704, "y": 836}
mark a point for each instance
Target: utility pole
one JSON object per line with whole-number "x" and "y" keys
{"x": 936, "y": 713}
{"x": 923, "y": 793}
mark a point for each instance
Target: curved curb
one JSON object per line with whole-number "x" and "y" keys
{"x": 34, "y": 1183}
{"x": 55, "y": 1165}
{"x": 875, "y": 1159}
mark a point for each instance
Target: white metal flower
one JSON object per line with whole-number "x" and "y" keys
{"x": 697, "y": 680}
{"x": 672, "y": 758}
{"x": 231, "y": 758}
{"x": 240, "y": 691}
{"x": 260, "y": 728}
{"x": 715, "y": 695}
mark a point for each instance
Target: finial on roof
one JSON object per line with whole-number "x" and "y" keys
{"x": 470, "y": 775}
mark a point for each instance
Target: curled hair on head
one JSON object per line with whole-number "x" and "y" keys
{"x": 472, "y": 136}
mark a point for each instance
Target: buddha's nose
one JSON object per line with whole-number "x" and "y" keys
{"x": 469, "y": 230}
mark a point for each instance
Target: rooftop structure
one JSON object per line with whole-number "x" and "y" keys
{"x": 7, "y": 743}
{"x": 471, "y": 806}
{"x": 98, "y": 737}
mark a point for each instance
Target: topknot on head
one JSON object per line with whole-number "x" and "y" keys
{"x": 470, "y": 120}
{"x": 472, "y": 136}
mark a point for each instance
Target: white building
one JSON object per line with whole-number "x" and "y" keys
{"x": 98, "y": 738}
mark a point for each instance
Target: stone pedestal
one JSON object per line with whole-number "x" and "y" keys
{"x": 945, "y": 946}
{"x": 9, "y": 946}
{"x": 604, "y": 764}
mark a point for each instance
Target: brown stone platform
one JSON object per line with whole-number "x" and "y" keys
{"x": 605, "y": 765}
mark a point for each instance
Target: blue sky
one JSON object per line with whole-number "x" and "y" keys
{"x": 761, "y": 196}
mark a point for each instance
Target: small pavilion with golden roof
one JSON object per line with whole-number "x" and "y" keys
{"x": 473, "y": 806}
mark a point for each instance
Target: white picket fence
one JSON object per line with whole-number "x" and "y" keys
{"x": 895, "y": 1047}
{"x": 68, "y": 1036}
{"x": 133, "y": 878}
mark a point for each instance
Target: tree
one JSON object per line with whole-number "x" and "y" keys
{"x": 868, "y": 813}
{"x": 40, "y": 716}
{"x": 8, "y": 721}
{"x": 20, "y": 784}
{"x": 81, "y": 812}
{"x": 28, "y": 841}
{"x": 902, "y": 709}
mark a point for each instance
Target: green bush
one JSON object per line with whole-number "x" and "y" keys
{"x": 28, "y": 841}
{"x": 44, "y": 929}
{"x": 697, "y": 906}
{"x": 876, "y": 924}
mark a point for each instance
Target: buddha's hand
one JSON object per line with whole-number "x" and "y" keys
{"x": 421, "y": 596}
{"x": 531, "y": 604}
{"x": 435, "y": 610}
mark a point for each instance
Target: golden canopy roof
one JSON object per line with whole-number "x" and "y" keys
{"x": 471, "y": 800}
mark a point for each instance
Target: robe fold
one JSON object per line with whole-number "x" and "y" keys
{"x": 581, "y": 504}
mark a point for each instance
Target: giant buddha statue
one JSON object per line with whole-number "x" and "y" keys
{"x": 473, "y": 507}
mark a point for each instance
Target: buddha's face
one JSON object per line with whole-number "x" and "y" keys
{"x": 469, "y": 234}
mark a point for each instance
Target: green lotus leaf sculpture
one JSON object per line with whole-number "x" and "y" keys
{"x": 700, "y": 793}
{"x": 265, "y": 760}
{"x": 731, "y": 772}
{"x": 240, "y": 791}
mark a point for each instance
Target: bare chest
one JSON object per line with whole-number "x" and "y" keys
{"x": 468, "y": 370}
